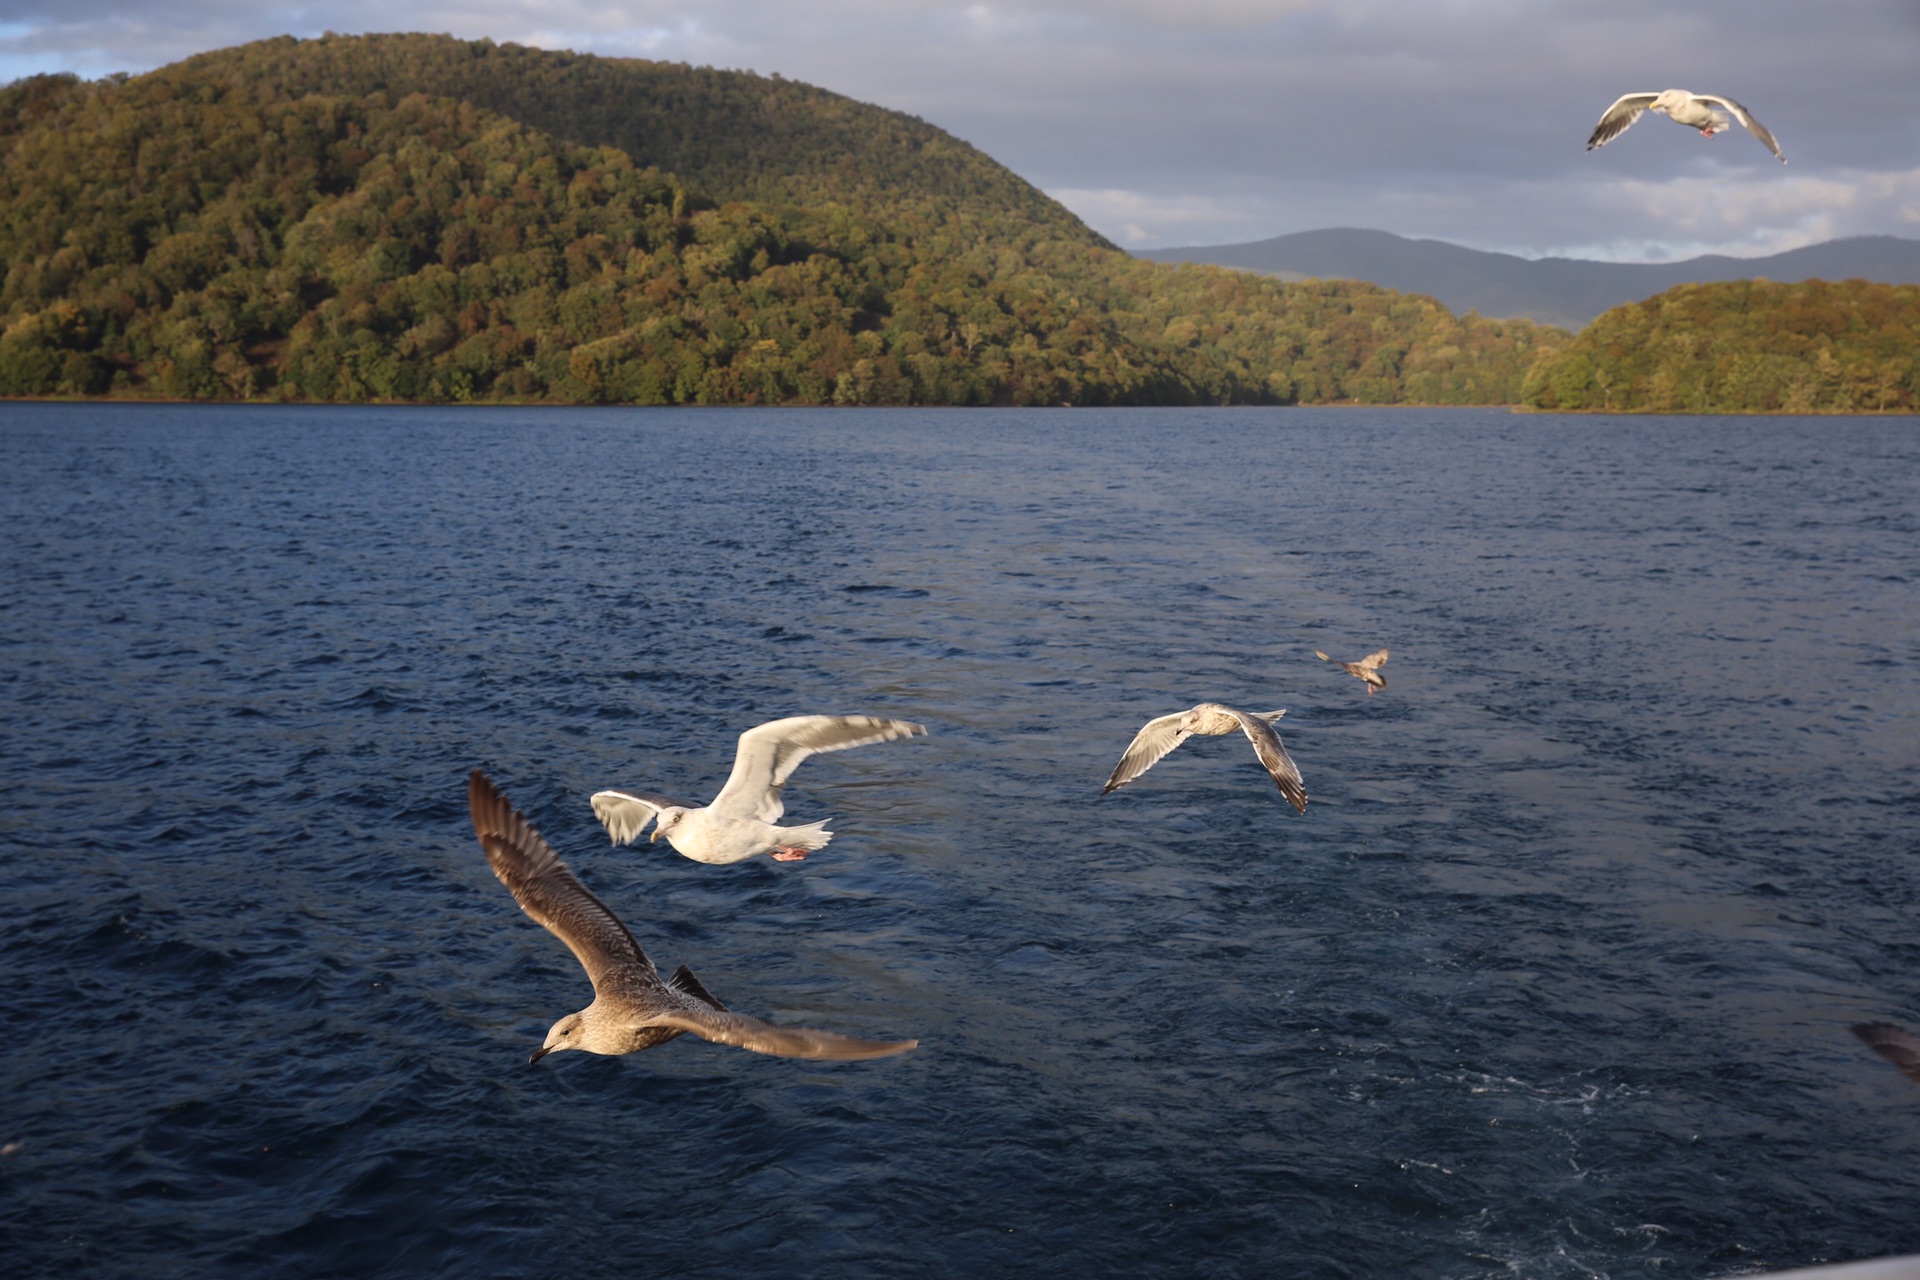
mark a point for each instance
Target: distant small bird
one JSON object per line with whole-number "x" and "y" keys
{"x": 1695, "y": 110}
{"x": 1368, "y": 668}
{"x": 738, "y": 823}
{"x": 632, "y": 1009}
{"x": 1894, "y": 1043}
{"x": 1161, "y": 735}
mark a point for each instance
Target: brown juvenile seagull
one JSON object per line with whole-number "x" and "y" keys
{"x": 1159, "y": 736}
{"x": 1894, "y": 1043}
{"x": 739, "y": 822}
{"x": 632, "y": 1009}
{"x": 1368, "y": 668}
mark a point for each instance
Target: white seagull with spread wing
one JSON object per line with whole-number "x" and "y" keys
{"x": 739, "y": 822}
{"x": 1162, "y": 734}
{"x": 1706, "y": 112}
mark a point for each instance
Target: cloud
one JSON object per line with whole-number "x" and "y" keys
{"x": 1135, "y": 219}
{"x": 1202, "y": 121}
{"x": 1747, "y": 216}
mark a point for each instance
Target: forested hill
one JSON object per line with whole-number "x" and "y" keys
{"x": 1744, "y": 346}
{"x": 341, "y": 220}
{"x": 728, "y": 135}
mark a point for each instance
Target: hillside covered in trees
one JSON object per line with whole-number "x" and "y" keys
{"x": 729, "y": 135}
{"x": 1744, "y": 346}
{"x": 422, "y": 218}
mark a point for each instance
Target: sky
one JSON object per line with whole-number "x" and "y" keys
{"x": 1198, "y": 122}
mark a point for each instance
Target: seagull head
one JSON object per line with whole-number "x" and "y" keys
{"x": 568, "y": 1033}
{"x": 1670, "y": 101}
{"x": 666, "y": 821}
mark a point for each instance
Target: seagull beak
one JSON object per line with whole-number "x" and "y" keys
{"x": 538, "y": 1054}
{"x": 655, "y": 837}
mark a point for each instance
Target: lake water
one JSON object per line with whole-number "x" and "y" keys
{"x": 1553, "y": 978}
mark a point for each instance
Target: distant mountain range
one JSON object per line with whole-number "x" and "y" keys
{"x": 1564, "y": 291}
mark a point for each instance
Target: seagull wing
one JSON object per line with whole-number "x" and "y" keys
{"x": 1745, "y": 117}
{"x": 1615, "y": 119}
{"x": 1894, "y": 1043}
{"x": 547, "y": 890}
{"x": 769, "y": 753}
{"x": 683, "y": 980}
{"x": 1157, "y": 737}
{"x": 1375, "y": 659}
{"x": 1266, "y": 745}
{"x": 743, "y": 1032}
{"x": 625, "y": 814}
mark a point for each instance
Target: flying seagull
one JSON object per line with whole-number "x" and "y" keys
{"x": 1161, "y": 735}
{"x": 738, "y": 822}
{"x": 632, "y": 1008}
{"x": 1368, "y": 668}
{"x": 1894, "y": 1043}
{"x": 1695, "y": 110}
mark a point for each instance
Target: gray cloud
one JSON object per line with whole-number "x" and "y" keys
{"x": 1200, "y": 121}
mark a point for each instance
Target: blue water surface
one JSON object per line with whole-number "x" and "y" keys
{"x": 1552, "y": 979}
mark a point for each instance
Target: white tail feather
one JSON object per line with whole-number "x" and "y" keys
{"x": 810, "y": 837}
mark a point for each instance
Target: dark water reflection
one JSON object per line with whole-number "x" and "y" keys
{"x": 1552, "y": 979}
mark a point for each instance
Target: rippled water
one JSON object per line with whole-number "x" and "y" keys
{"x": 1552, "y": 979}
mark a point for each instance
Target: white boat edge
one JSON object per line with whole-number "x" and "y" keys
{"x": 1906, "y": 1267}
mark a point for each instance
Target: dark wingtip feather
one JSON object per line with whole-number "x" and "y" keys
{"x": 1894, "y": 1043}
{"x": 1296, "y": 796}
{"x": 485, "y": 804}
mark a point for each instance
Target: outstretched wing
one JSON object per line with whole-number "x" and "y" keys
{"x": 625, "y": 814}
{"x": 1157, "y": 737}
{"x": 1373, "y": 660}
{"x": 547, "y": 890}
{"x": 1745, "y": 117}
{"x": 1266, "y": 745}
{"x": 1615, "y": 119}
{"x": 742, "y": 1032}
{"x": 1894, "y": 1043}
{"x": 769, "y": 753}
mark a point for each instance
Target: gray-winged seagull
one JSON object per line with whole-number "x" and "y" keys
{"x": 632, "y": 1008}
{"x": 738, "y": 823}
{"x": 1161, "y": 735}
{"x": 1894, "y": 1043}
{"x": 1695, "y": 110}
{"x": 1368, "y": 668}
